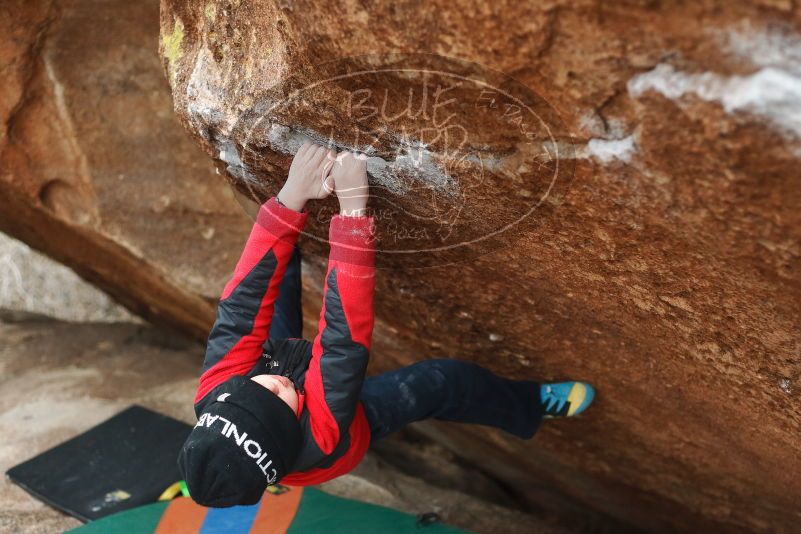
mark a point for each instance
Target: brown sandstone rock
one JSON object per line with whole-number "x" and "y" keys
{"x": 96, "y": 172}
{"x": 664, "y": 266}
{"x": 661, "y": 263}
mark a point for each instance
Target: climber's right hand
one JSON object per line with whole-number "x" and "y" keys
{"x": 308, "y": 176}
{"x": 350, "y": 180}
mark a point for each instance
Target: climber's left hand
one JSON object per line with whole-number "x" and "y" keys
{"x": 308, "y": 176}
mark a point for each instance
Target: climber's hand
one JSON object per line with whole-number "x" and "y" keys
{"x": 308, "y": 176}
{"x": 350, "y": 181}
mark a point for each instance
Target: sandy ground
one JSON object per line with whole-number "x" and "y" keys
{"x": 58, "y": 379}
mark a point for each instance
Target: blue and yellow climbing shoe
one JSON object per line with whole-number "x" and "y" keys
{"x": 564, "y": 399}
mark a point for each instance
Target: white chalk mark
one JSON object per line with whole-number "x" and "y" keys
{"x": 413, "y": 161}
{"x": 609, "y": 150}
{"x": 772, "y": 92}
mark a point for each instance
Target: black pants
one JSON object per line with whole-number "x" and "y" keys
{"x": 448, "y": 390}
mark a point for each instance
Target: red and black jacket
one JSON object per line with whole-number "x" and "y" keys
{"x": 328, "y": 372}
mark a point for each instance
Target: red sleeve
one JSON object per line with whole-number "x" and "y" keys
{"x": 246, "y": 306}
{"x": 341, "y": 349}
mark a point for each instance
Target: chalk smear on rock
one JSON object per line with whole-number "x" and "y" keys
{"x": 772, "y": 92}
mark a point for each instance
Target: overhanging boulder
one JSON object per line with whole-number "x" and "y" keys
{"x": 659, "y": 260}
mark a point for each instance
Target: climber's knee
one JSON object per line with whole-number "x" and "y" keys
{"x": 442, "y": 369}
{"x": 451, "y": 378}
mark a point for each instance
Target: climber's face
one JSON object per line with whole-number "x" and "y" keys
{"x": 282, "y": 387}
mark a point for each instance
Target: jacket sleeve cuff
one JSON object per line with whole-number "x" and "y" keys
{"x": 280, "y": 221}
{"x": 352, "y": 240}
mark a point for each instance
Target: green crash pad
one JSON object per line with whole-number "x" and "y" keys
{"x": 296, "y": 511}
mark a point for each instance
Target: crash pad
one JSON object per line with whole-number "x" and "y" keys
{"x": 124, "y": 462}
{"x": 295, "y": 511}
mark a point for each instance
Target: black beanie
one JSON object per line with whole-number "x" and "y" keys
{"x": 244, "y": 441}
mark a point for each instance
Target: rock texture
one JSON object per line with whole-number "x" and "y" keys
{"x": 661, "y": 263}
{"x": 33, "y": 283}
{"x": 95, "y": 170}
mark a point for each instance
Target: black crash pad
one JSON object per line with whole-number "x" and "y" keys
{"x": 122, "y": 463}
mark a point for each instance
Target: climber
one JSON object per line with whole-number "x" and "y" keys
{"x": 274, "y": 407}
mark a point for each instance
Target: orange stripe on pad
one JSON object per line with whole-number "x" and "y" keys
{"x": 276, "y": 512}
{"x": 182, "y": 516}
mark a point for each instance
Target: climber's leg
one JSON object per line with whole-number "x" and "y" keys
{"x": 288, "y": 313}
{"x": 450, "y": 390}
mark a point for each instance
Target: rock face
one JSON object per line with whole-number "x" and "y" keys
{"x": 621, "y": 206}
{"x": 95, "y": 169}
